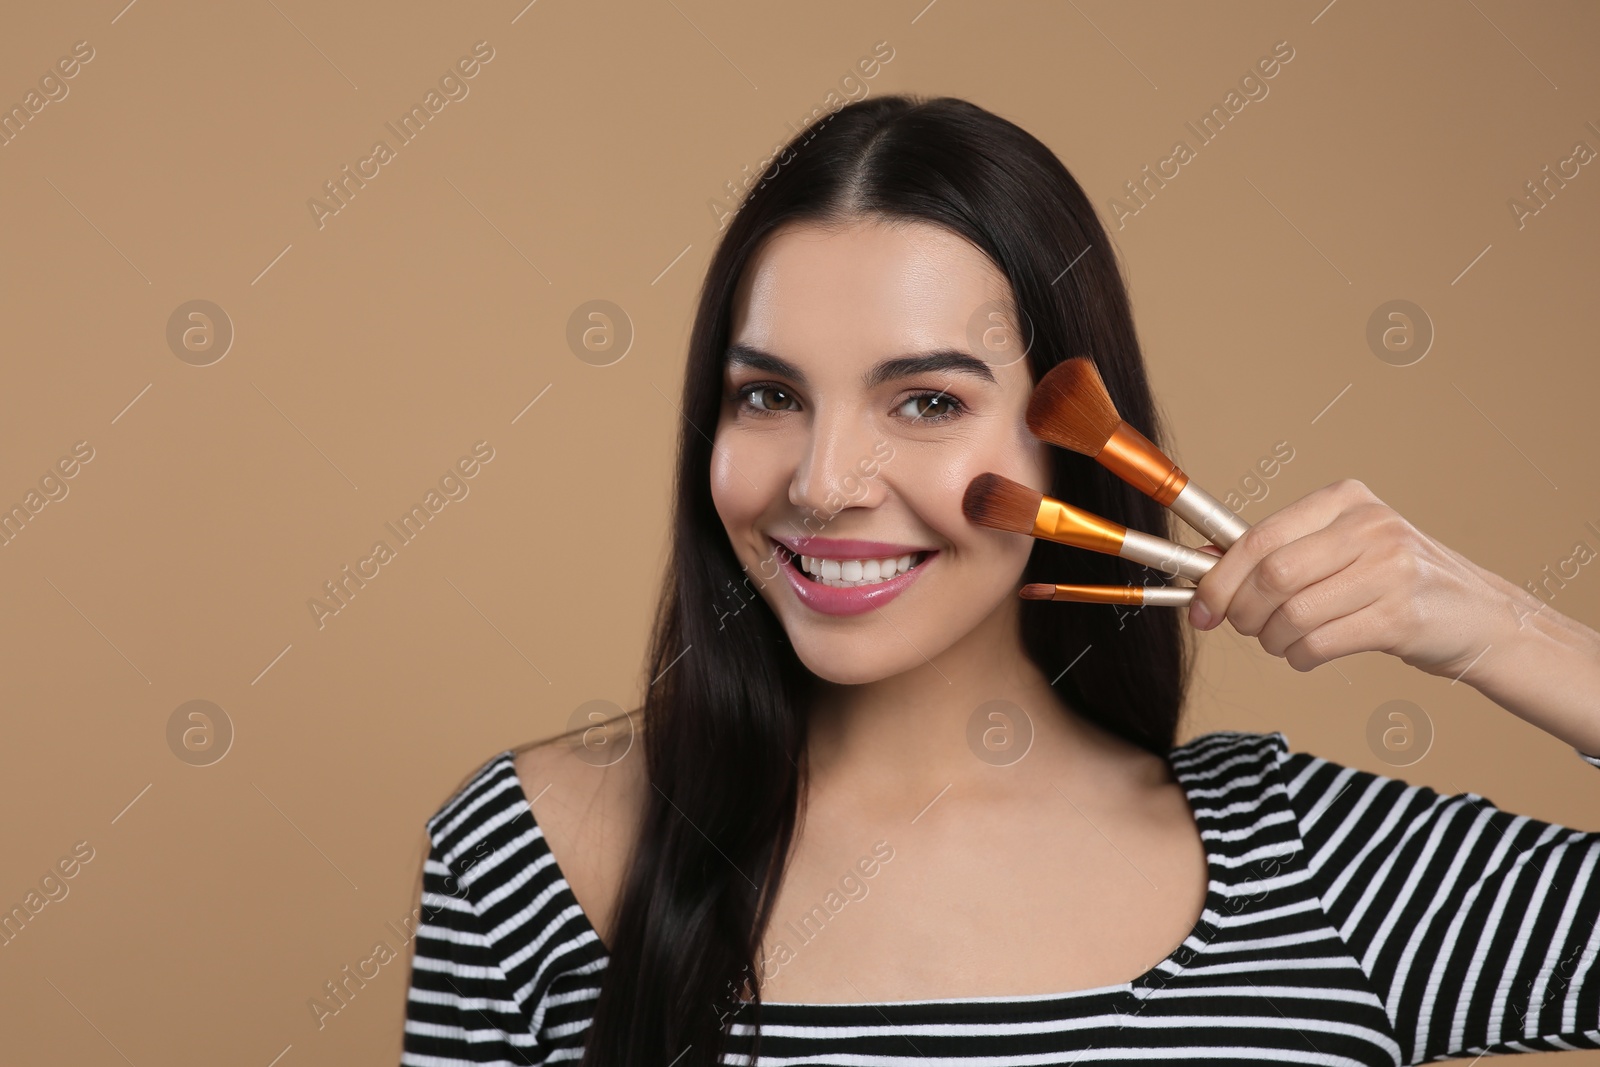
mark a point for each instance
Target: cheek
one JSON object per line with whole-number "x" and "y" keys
{"x": 938, "y": 481}
{"x": 729, "y": 492}
{"x": 745, "y": 484}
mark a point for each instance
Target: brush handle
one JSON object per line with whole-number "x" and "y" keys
{"x": 1209, "y": 516}
{"x": 1168, "y": 557}
{"x": 1133, "y": 595}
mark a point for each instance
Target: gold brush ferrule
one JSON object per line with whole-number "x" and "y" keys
{"x": 1101, "y": 594}
{"x": 1068, "y": 525}
{"x": 1134, "y": 458}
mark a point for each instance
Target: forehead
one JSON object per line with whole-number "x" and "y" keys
{"x": 811, "y": 291}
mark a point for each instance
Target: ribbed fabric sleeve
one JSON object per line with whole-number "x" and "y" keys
{"x": 1477, "y": 926}
{"x": 496, "y": 927}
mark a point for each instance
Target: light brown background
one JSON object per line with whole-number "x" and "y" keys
{"x": 371, "y": 353}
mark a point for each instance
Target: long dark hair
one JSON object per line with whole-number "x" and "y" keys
{"x": 724, "y": 713}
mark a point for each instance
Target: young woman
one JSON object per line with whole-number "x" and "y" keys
{"x": 804, "y": 847}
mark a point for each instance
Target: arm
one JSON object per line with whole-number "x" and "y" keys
{"x": 1338, "y": 572}
{"x": 460, "y": 1006}
{"x": 507, "y": 967}
{"x": 1541, "y": 666}
{"x": 1478, "y": 928}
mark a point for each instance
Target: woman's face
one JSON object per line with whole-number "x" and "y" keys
{"x": 873, "y": 372}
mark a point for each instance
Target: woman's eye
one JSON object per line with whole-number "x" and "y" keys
{"x": 764, "y": 401}
{"x": 773, "y": 399}
{"x": 931, "y": 407}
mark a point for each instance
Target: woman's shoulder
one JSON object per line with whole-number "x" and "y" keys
{"x": 595, "y": 762}
{"x": 1257, "y": 771}
{"x": 1229, "y": 754}
{"x": 587, "y": 790}
{"x": 502, "y": 941}
{"x": 1324, "y": 793}
{"x": 1269, "y": 762}
{"x": 486, "y": 791}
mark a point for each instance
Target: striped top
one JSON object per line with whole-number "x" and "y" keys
{"x": 1351, "y": 918}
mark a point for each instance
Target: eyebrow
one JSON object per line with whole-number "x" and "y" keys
{"x": 944, "y": 359}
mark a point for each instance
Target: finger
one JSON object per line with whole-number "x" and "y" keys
{"x": 1340, "y": 594}
{"x": 1314, "y": 511}
{"x": 1288, "y": 571}
{"x": 1344, "y": 636}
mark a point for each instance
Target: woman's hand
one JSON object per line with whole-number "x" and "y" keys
{"x": 1338, "y": 571}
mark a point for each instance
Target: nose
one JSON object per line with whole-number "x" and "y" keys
{"x": 837, "y": 468}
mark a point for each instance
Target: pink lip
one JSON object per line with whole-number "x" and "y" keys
{"x": 834, "y": 601}
{"x": 840, "y": 548}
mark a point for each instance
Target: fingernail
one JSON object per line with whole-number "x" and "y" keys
{"x": 1199, "y": 615}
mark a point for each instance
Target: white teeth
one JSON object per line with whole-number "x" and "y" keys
{"x": 845, "y": 573}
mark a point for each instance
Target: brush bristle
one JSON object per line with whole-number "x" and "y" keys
{"x": 1071, "y": 408}
{"x": 996, "y": 501}
{"x": 1038, "y": 591}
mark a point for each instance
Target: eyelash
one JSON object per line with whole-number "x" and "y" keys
{"x": 742, "y": 392}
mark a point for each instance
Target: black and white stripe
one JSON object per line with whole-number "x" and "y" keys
{"x": 1351, "y": 918}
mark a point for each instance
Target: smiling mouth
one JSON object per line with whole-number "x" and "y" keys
{"x": 854, "y": 573}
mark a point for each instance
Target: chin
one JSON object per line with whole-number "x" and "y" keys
{"x": 856, "y": 667}
{"x": 849, "y": 656}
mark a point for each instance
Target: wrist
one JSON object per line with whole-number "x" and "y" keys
{"x": 1543, "y": 667}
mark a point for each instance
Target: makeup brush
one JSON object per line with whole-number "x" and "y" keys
{"x": 996, "y": 501}
{"x": 1070, "y": 408}
{"x": 1174, "y": 596}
